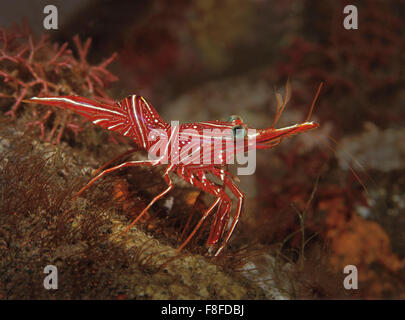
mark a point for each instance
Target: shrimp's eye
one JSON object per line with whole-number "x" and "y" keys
{"x": 234, "y": 117}
{"x": 238, "y": 132}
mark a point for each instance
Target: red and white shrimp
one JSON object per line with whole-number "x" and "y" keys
{"x": 135, "y": 118}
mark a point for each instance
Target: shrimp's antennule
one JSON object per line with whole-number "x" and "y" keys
{"x": 281, "y": 102}
{"x": 313, "y": 102}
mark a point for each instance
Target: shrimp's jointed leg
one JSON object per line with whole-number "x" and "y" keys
{"x": 205, "y": 215}
{"x": 105, "y": 165}
{"x": 199, "y": 179}
{"x": 240, "y": 196}
{"x": 122, "y": 165}
{"x": 159, "y": 196}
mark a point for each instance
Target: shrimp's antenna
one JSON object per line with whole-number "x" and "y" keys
{"x": 282, "y": 102}
{"x": 313, "y": 102}
{"x": 351, "y": 167}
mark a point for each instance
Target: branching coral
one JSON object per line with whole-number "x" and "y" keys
{"x": 31, "y": 67}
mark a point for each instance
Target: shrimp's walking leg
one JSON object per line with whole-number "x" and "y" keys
{"x": 199, "y": 180}
{"x": 220, "y": 222}
{"x": 206, "y": 214}
{"x": 240, "y": 196}
{"x": 128, "y": 152}
{"x": 159, "y": 196}
{"x": 122, "y": 165}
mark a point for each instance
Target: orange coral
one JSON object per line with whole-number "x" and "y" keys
{"x": 363, "y": 243}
